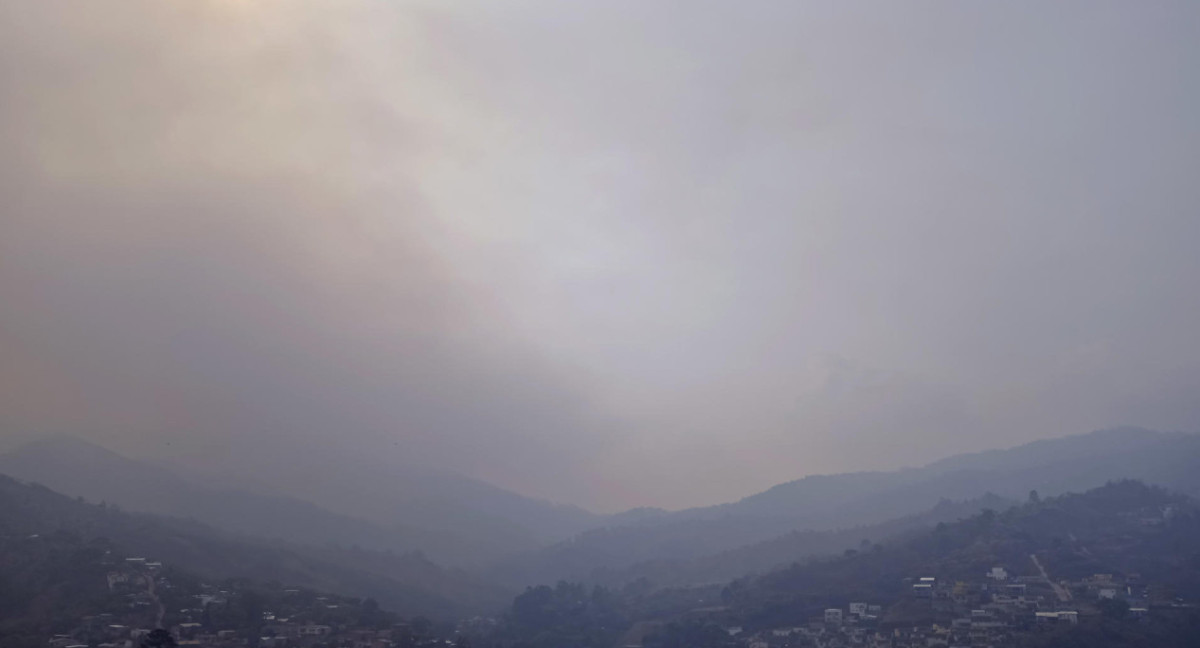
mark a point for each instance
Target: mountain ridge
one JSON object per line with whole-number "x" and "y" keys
{"x": 474, "y": 525}
{"x": 830, "y": 502}
{"x": 446, "y": 531}
{"x": 406, "y": 582}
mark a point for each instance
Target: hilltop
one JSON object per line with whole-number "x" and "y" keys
{"x": 1118, "y": 528}
{"x": 451, "y": 519}
{"x": 408, "y": 583}
{"x": 1118, "y": 565}
{"x": 847, "y": 501}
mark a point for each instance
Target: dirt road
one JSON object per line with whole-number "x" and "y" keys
{"x": 1063, "y": 593}
{"x": 162, "y": 611}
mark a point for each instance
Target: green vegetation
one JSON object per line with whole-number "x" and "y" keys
{"x": 58, "y": 558}
{"x": 48, "y": 582}
{"x": 1102, "y": 530}
{"x": 406, "y": 582}
{"x": 1125, "y": 528}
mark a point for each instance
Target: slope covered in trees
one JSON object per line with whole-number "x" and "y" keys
{"x": 1127, "y": 530}
{"x": 1117, "y": 528}
{"x": 844, "y": 501}
{"x": 404, "y": 582}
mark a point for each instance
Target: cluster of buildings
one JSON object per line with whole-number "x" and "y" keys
{"x": 199, "y": 616}
{"x": 991, "y": 612}
{"x": 853, "y": 625}
{"x": 986, "y": 612}
{"x": 310, "y": 621}
{"x": 286, "y": 633}
{"x": 97, "y": 633}
{"x": 100, "y": 631}
{"x": 132, "y": 584}
{"x": 1109, "y": 587}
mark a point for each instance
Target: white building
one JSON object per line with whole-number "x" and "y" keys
{"x": 833, "y": 615}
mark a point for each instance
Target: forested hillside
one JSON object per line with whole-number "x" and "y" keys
{"x": 1117, "y": 528}
{"x": 404, "y": 582}
{"x": 846, "y": 501}
{"x": 1121, "y": 561}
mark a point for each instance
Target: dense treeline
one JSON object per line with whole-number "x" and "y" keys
{"x": 406, "y": 582}
{"x": 1103, "y": 530}
{"x": 1124, "y": 527}
{"x": 48, "y": 581}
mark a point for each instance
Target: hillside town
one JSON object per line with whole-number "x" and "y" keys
{"x": 144, "y": 598}
{"x": 997, "y": 610}
{"x": 139, "y": 602}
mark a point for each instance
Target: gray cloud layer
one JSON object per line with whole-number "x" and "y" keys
{"x": 611, "y": 253}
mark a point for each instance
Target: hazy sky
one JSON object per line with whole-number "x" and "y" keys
{"x": 611, "y": 253}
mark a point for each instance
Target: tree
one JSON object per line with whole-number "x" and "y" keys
{"x": 421, "y": 627}
{"x": 251, "y": 607}
{"x": 1034, "y": 498}
{"x": 370, "y": 615}
{"x": 158, "y": 639}
{"x": 1114, "y": 608}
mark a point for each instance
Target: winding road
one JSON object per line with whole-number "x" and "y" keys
{"x": 162, "y": 611}
{"x": 1063, "y": 593}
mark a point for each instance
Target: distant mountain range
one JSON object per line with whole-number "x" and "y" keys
{"x": 604, "y": 556}
{"x": 1113, "y": 567}
{"x": 1072, "y": 463}
{"x": 1102, "y": 530}
{"x": 399, "y": 581}
{"x": 450, "y": 519}
{"x": 829, "y": 502}
{"x": 515, "y": 540}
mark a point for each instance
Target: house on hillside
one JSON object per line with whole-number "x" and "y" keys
{"x": 1064, "y": 616}
{"x": 314, "y": 630}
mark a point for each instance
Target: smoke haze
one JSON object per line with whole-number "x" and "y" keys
{"x": 613, "y": 254}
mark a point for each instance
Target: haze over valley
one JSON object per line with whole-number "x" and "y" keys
{"x": 620, "y": 324}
